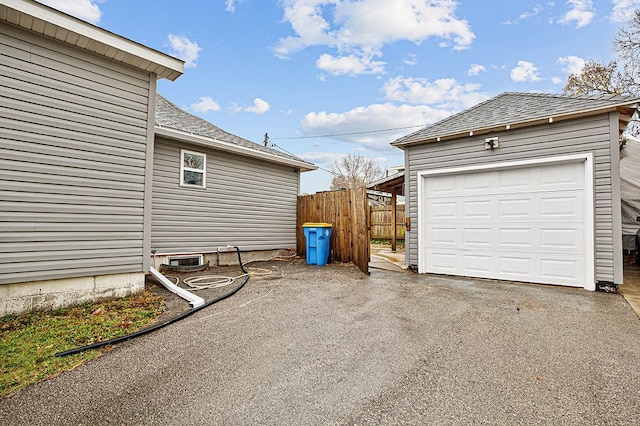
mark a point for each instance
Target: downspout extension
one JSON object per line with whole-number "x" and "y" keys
{"x": 166, "y": 323}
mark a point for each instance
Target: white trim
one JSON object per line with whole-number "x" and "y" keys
{"x": 189, "y": 169}
{"x": 51, "y": 22}
{"x": 589, "y": 195}
{"x": 230, "y": 147}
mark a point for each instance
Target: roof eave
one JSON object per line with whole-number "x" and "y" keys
{"x": 635, "y": 104}
{"x": 52, "y": 23}
{"x": 230, "y": 147}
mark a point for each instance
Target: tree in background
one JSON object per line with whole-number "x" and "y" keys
{"x": 353, "y": 171}
{"x": 627, "y": 46}
{"x": 596, "y": 78}
{"x": 617, "y": 77}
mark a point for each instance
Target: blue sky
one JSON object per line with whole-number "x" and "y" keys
{"x": 303, "y": 69}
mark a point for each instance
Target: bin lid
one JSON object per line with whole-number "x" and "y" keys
{"x": 316, "y": 225}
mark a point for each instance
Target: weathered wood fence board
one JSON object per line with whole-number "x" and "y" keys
{"x": 381, "y": 222}
{"x": 348, "y": 212}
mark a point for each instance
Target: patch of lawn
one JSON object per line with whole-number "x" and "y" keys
{"x": 28, "y": 342}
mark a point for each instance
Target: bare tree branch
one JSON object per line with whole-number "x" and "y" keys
{"x": 354, "y": 171}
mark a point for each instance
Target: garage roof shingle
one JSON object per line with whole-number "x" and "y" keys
{"x": 509, "y": 109}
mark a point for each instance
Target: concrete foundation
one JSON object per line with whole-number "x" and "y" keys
{"x": 55, "y": 294}
{"x": 226, "y": 258}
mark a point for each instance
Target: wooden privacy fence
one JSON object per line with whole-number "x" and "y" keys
{"x": 381, "y": 222}
{"x": 348, "y": 212}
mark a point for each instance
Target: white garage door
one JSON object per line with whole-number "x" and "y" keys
{"x": 522, "y": 224}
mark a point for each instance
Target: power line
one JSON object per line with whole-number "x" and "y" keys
{"x": 350, "y": 133}
{"x": 273, "y": 145}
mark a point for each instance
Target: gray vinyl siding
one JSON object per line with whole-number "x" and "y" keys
{"x": 247, "y": 203}
{"x": 73, "y": 136}
{"x": 592, "y": 134}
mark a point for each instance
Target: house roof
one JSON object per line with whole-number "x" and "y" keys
{"x": 54, "y": 24}
{"x": 393, "y": 184}
{"x": 175, "y": 123}
{"x": 511, "y": 110}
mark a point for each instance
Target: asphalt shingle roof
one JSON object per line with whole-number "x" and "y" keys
{"x": 511, "y": 108}
{"x": 169, "y": 115}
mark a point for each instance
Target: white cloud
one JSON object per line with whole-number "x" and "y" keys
{"x": 525, "y": 71}
{"x": 444, "y": 93}
{"x": 476, "y": 69}
{"x": 571, "y": 64}
{"x": 372, "y": 117}
{"x": 362, "y": 28}
{"x": 185, "y": 49}
{"x": 526, "y": 15}
{"x": 582, "y": 13}
{"x": 350, "y": 65}
{"x": 321, "y": 157}
{"x": 87, "y": 10}
{"x": 206, "y": 104}
{"x": 231, "y": 5}
{"x": 623, "y": 10}
{"x": 260, "y": 106}
{"x": 411, "y": 59}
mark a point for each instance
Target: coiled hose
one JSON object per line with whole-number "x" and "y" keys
{"x": 165, "y": 323}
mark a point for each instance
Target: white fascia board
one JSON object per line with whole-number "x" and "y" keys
{"x": 85, "y": 34}
{"x": 231, "y": 147}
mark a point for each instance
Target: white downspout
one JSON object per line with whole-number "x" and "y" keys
{"x": 195, "y": 301}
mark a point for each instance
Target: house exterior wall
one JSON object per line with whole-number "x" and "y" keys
{"x": 597, "y": 135}
{"x": 73, "y": 136}
{"x": 247, "y": 203}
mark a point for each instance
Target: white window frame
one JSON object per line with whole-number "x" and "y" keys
{"x": 188, "y": 169}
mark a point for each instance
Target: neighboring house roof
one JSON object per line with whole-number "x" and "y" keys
{"x": 512, "y": 110}
{"x": 57, "y": 25}
{"x": 393, "y": 184}
{"x": 175, "y": 123}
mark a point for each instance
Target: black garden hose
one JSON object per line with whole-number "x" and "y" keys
{"x": 163, "y": 324}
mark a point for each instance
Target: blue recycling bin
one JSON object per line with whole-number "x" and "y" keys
{"x": 318, "y": 237}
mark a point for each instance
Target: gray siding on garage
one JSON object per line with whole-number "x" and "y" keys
{"x": 73, "y": 135}
{"x": 592, "y": 134}
{"x": 247, "y": 203}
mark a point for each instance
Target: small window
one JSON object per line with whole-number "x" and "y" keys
{"x": 193, "y": 166}
{"x": 185, "y": 260}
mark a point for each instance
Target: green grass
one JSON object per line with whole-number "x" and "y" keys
{"x": 28, "y": 342}
{"x": 387, "y": 242}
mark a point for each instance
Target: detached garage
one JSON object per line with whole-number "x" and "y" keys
{"x": 522, "y": 187}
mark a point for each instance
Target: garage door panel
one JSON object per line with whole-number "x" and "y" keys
{"x": 442, "y": 186}
{"x": 564, "y": 205}
{"x": 442, "y": 210}
{"x": 476, "y": 183}
{"x": 444, "y": 262}
{"x": 562, "y": 238}
{"x": 527, "y": 225}
{"x": 477, "y": 209}
{"x": 515, "y": 238}
{"x": 516, "y": 208}
{"x": 477, "y": 237}
{"x": 561, "y": 270}
{"x": 477, "y": 263}
{"x": 515, "y": 267}
{"x": 444, "y": 237}
{"x": 562, "y": 176}
{"x": 516, "y": 180}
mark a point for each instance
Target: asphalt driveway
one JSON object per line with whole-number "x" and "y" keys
{"x": 329, "y": 345}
